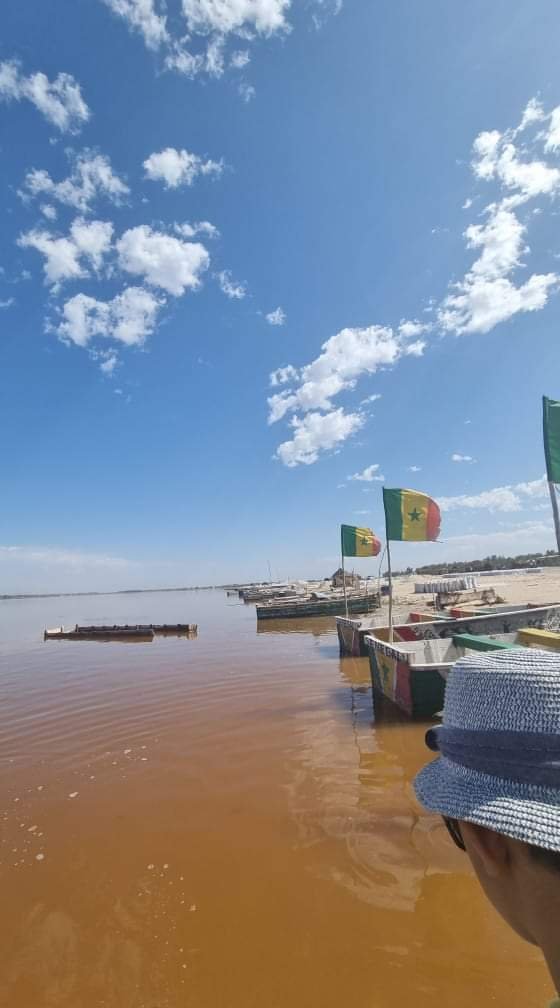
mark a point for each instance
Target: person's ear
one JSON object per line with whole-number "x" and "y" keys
{"x": 487, "y": 847}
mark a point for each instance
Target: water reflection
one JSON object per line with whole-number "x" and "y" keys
{"x": 316, "y": 627}
{"x": 364, "y": 800}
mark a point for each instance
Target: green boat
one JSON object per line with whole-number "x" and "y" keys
{"x": 412, "y": 675}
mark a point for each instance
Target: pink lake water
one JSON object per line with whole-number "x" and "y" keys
{"x": 223, "y": 823}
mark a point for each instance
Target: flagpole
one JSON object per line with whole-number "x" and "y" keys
{"x": 555, "y": 515}
{"x": 343, "y": 573}
{"x": 390, "y": 594}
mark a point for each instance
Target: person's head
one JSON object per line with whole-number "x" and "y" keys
{"x": 496, "y": 783}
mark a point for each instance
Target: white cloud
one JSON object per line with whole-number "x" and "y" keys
{"x": 410, "y": 329}
{"x": 142, "y": 16}
{"x": 8, "y": 303}
{"x": 534, "y": 488}
{"x": 370, "y": 398}
{"x": 197, "y": 228}
{"x": 467, "y": 204}
{"x": 162, "y": 260}
{"x": 486, "y": 296}
{"x": 92, "y": 239}
{"x": 48, "y": 211}
{"x": 532, "y": 113}
{"x": 316, "y": 433}
{"x": 362, "y": 512}
{"x": 456, "y": 457}
{"x": 64, "y": 256}
{"x": 239, "y": 59}
{"x": 552, "y": 142}
{"x": 283, "y": 375}
{"x": 324, "y": 9}
{"x": 368, "y": 475}
{"x": 184, "y": 62}
{"x": 247, "y": 91}
{"x": 345, "y": 356}
{"x": 506, "y": 498}
{"x": 109, "y": 362}
{"x": 224, "y": 16}
{"x": 179, "y": 167}
{"x": 482, "y": 304}
{"x": 536, "y": 535}
{"x": 91, "y": 177}
{"x": 276, "y": 317}
{"x": 211, "y": 25}
{"x": 415, "y": 349}
{"x": 499, "y": 499}
{"x": 229, "y": 287}
{"x": 501, "y": 241}
{"x": 496, "y": 157}
{"x": 129, "y": 318}
{"x": 60, "y": 100}
{"x": 214, "y": 62}
{"x": 415, "y": 468}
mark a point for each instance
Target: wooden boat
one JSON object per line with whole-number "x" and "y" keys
{"x": 158, "y": 628}
{"x": 532, "y": 637}
{"x": 351, "y": 632}
{"x": 100, "y": 634}
{"x": 412, "y": 675}
{"x": 324, "y": 605}
{"x": 139, "y": 631}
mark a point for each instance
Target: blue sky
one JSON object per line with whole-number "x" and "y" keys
{"x": 228, "y": 226}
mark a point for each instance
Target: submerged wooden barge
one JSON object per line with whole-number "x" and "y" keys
{"x": 138, "y": 631}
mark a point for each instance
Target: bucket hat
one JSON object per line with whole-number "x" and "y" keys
{"x": 499, "y": 746}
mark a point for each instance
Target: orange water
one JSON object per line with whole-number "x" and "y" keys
{"x": 242, "y": 834}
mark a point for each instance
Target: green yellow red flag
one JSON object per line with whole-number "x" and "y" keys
{"x": 410, "y": 516}
{"x": 360, "y": 542}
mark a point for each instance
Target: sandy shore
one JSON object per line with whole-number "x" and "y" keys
{"x": 515, "y": 588}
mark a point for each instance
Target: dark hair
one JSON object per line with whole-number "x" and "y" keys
{"x": 548, "y": 858}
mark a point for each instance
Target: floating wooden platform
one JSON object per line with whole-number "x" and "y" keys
{"x": 139, "y": 631}
{"x": 158, "y": 628}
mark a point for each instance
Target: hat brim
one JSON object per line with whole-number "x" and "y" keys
{"x": 521, "y": 811}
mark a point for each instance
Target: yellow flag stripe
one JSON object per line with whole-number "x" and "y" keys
{"x": 414, "y": 507}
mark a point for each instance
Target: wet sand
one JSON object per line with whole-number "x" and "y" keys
{"x": 221, "y": 823}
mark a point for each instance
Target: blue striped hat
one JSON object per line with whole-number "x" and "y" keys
{"x": 499, "y": 746}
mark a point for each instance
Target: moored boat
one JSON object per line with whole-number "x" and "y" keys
{"x": 319, "y": 606}
{"x": 412, "y": 675}
{"x": 352, "y": 632}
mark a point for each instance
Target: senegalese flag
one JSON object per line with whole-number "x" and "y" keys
{"x": 360, "y": 542}
{"x": 410, "y": 516}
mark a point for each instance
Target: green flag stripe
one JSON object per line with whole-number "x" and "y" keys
{"x": 551, "y": 431}
{"x": 393, "y": 513}
{"x": 348, "y": 540}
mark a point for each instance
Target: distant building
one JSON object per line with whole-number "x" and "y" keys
{"x": 340, "y": 576}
